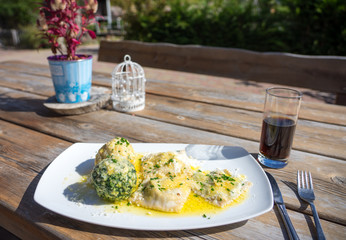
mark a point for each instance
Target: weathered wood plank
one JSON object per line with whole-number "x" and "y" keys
{"x": 255, "y": 102}
{"x": 27, "y": 82}
{"x": 101, "y": 126}
{"x": 18, "y": 207}
{"x": 165, "y": 76}
{"x": 310, "y": 136}
{"x": 322, "y": 73}
{"x": 25, "y": 67}
{"x": 221, "y": 93}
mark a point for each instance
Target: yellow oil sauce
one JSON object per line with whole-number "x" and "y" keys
{"x": 194, "y": 206}
{"x": 137, "y": 164}
{"x": 137, "y": 161}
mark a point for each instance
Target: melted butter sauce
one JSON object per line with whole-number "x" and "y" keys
{"x": 194, "y": 206}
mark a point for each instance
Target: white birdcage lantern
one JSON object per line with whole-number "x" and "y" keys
{"x": 128, "y": 86}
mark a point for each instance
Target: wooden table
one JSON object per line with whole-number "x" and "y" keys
{"x": 31, "y": 137}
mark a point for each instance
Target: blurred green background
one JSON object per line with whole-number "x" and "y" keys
{"x": 314, "y": 27}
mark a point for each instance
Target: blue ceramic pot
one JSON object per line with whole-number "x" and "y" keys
{"x": 71, "y": 79}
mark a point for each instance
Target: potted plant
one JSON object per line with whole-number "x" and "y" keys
{"x": 63, "y": 23}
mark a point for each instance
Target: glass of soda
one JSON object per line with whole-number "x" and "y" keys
{"x": 280, "y": 117}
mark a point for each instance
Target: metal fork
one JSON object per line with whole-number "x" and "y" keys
{"x": 306, "y": 192}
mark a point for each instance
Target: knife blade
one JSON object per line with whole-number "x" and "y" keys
{"x": 279, "y": 201}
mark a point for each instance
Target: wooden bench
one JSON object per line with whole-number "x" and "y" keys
{"x": 322, "y": 73}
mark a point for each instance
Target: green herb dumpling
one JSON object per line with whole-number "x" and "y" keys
{"x": 114, "y": 179}
{"x": 116, "y": 148}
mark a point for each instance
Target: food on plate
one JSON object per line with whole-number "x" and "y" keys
{"x": 219, "y": 187}
{"x": 114, "y": 179}
{"x": 116, "y": 148}
{"x": 166, "y": 181}
{"x": 162, "y": 181}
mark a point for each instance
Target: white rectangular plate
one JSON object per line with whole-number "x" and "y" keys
{"x": 55, "y": 188}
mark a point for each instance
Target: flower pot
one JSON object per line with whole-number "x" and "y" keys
{"x": 71, "y": 78}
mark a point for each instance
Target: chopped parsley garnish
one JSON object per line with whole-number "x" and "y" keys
{"x": 122, "y": 141}
{"x": 169, "y": 161}
{"x": 228, "y": 178}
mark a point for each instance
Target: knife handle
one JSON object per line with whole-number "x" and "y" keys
{"x": 289, "y": 226}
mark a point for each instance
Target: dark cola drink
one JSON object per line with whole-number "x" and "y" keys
{"x": 281, "y": 108}
{"x": 277, "y": 138}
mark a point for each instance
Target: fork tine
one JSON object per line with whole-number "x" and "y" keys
{"x": 301, "y": 179}
{"x": 298, "y": 179}
{"x": 310, "y": 181}
{"x": 306, "y": 179}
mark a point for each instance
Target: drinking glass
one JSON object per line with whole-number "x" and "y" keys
{"x": 280, "y": 117}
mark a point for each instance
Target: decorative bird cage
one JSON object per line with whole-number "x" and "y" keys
{"x": 128, "y": 86}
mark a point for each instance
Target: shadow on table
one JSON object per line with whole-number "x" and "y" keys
{"x": 24, "y": 104}
{"x": 281, "y": 222}
{"x": 83, "y": 191}
{"x": 214, "y": 152}
{"x": 47, "y": 220}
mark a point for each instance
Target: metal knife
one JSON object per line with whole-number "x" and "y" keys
{"x": 282, "y": 209}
